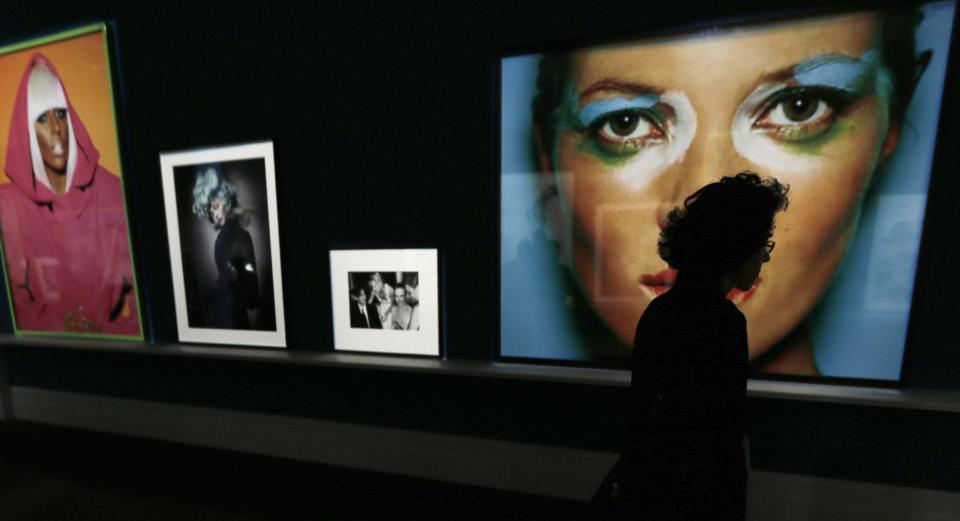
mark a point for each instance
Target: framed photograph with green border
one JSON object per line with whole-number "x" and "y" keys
{"x": 67, "y": 254}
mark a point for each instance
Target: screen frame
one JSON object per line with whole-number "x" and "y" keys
{"x": 940, "y": 167}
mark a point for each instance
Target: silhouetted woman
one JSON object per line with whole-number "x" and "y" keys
{"x": 684, "y": 457}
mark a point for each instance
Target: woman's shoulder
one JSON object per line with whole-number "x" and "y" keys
{"x": 107, "y": 184}
{"x": 668, "y": 302}
{"x": 729, "y": 316}
{"x": 14, "y": 202}
{"x": 661, "y": 311}
{"x": 7, "y": 191}
{"x": 657, "y": 306}
{"x": 10, "y": 191}
{"x": 668, "y": 306}
{"x": 11, "y": 201}
{"x": 732, "y": 310}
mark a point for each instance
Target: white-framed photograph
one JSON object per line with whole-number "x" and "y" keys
{"x": 221, "y": 210}
{"x": 386, "y": 301}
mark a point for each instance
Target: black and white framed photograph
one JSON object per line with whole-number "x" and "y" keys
{"x": 385, "y": 301}
{"x": 221, "y": 209}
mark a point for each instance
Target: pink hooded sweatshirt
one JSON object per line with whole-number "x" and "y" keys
{"x": 68, "y": 255}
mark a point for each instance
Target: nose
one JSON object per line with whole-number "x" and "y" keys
{"x": 56, "y": 124}
{"x": 711, "y": 155}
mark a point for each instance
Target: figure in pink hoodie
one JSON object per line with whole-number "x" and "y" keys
{"x": 64, "y": 227}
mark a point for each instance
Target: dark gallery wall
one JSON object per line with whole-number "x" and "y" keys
{"x": 384, "y": 123}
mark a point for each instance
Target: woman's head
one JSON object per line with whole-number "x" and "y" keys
{"x": 213, "y": 196}
{"x": 723, "y": 225}
{"x": 411, "y": 284}
{"x": 385, "y": 294}
{"x": 53, "y": 146}
{"x": 629, "y": 131}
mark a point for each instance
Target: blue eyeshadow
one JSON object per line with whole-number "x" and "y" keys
{"x": 589, "y": 113}
{"x": 839, "y": 72}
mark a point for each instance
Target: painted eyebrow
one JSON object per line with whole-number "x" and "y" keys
{"x": 618, "y": 86}
{"x": 786, "y": 73}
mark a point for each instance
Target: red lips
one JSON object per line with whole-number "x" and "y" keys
{"x": 661, "y": 283}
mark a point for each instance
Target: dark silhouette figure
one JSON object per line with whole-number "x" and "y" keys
{"x": 684, "y": 457}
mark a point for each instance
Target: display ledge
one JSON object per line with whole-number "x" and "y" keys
{"x": 844, "y": 394}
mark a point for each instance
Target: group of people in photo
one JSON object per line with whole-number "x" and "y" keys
{"x": 380, "y": 305}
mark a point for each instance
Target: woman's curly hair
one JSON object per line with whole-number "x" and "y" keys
{"x": 722, "y": 224}
{"x": 211, "y": 184}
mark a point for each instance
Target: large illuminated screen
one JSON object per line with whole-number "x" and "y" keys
{"x": 599, "y": 143}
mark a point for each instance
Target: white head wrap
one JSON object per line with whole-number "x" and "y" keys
{"x": 44, "y": 92}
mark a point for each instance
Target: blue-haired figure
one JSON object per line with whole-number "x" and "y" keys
{"x": 237, "y": 289}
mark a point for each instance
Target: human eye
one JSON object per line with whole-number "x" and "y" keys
{"x": 42, "y": 118}
{"x": 796, "y": 114}
{"x": 627, "y": 131}
{"x": 61, "y": 113}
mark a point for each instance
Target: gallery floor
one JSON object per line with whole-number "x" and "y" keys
{"x": 53, "y": 473}
{"x": 57, "y": 473}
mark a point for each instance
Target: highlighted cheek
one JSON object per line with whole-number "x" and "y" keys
{"x": 760, "y": 149}
{"x": 639, "y": 170}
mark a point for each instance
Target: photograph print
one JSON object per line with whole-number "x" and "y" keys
{"x": 221, "y": 219}
{"x": 66, "y": 246}
{"x": 385, "y": 301}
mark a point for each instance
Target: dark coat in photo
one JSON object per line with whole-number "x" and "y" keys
{"x": 238, "y": 288}
{"x": 371, "y": 321}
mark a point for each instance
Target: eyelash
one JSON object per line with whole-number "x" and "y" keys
{"x": 624, "y": 144}
{"x": 61, "y": 114}
{"x": 830, "y": 103}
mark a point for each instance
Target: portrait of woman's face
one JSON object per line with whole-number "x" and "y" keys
{"x": 641, "y": 127}
{"x": 598, "y": 143}
{"x": 53, "y": 138}
{"x": 218, "y": 211}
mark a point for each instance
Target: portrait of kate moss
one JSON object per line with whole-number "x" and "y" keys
{"x": 599, "y": 143}
{"x": 65, "y": 240}
{"x": 225, "y": 245}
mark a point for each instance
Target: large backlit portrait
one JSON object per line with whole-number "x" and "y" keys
{"x": 66, "y": 246}
{"x": 224, "y": 250}
{"x": 599, "y": 143}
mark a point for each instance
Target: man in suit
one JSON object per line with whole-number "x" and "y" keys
{"x": 362, "y": 314}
